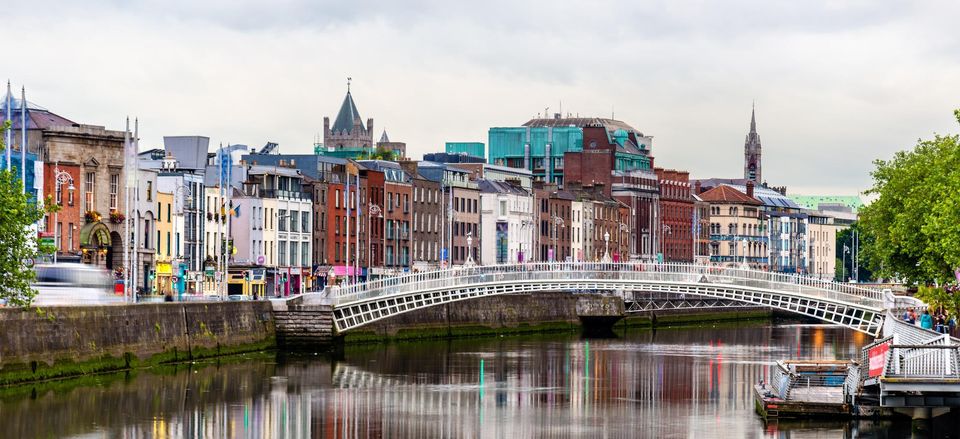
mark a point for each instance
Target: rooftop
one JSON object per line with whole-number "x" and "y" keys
{"x": 728, "y": 194}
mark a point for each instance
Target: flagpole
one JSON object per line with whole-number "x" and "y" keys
{"x": 23, "y": 133}
{"x": 9, "y": 134}
{"x": 228, "y": 248}
{"x": 126, "y": 211}
{"x": 220, "y": 242}
{"x": 135, "y": 268}
{"x": 356, "y": 259}
{"x": 346, "y": 202}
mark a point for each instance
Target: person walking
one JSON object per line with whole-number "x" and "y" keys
{"x": 926, "y": 321}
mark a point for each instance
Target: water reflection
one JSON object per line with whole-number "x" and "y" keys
{"x": 672, "y": 383}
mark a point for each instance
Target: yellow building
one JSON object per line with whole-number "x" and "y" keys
{"x": 165, "y": 244}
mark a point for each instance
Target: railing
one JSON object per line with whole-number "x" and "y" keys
{"x": 789, "y": 375}
{"x": 624, "y": 271}
{"x": 923, "y": 361}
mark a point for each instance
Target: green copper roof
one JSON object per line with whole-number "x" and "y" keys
{"x": 348, "y": 113}
{"x": 813, "y": 201}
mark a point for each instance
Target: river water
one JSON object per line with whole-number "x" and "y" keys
{"x": 690, "y": 383}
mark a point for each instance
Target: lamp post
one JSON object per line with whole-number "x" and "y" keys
{"x": 623, "y": 228}
{"x": 469, "y": 261}
{"x": 60, "y": 177}
{"x": 372, "y": 210}
{"x": 557, "y": 221}
{"x": 843, "y": 268}
{"x": 606, "y": 249}
{"x": 181, "y": 192}
{"x": 665, "y": 230}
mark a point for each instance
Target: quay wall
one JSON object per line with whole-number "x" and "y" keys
{"x": 52, "y": 342}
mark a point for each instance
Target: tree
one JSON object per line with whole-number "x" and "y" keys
{"x": 380, "y": 153}
{"x": 844, "y": 270}
{"x": 915, "y": 221}
{"x": 17, "y": 243}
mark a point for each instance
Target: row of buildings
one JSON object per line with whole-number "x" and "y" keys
{"x": 240, "y": 220}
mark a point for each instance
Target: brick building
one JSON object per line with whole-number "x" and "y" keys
{"x": 676, "y": 215}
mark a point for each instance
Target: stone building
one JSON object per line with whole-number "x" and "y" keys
{"x": 752, "y": 153}
{"x": 506, "y": 222}
{"x": 737, "y": 227}
{"x": 348, "y": 132}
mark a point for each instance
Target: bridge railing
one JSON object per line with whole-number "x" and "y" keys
{"x": 923, "y": 361}
{"x": 684, "y": 273}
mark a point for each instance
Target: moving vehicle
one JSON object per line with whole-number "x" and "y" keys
{"x": 74, "y": 284}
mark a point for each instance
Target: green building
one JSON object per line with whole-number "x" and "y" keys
{"x": 475, "y": 149}
{"x": 540, "y": 144}
{"x": 814, "y": 201}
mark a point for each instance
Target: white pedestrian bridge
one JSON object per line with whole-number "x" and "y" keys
{"x": 856, "y": 307}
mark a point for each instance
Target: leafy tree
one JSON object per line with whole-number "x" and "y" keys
{"x": 915, "y": 221}
{"x": 380, "y": 153}
{"x": 845, "y": 266}
{"x": 17, "y": 243}
{"x": 946, "y": 300}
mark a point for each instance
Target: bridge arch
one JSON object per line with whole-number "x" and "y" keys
{"x": 851, "y": 306}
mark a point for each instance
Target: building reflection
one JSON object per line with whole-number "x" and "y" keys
{"x": 692, "y": 383}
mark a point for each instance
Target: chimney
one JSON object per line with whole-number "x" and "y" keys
{"x": 750, "y": 188}
{"x": 696, "y": 188}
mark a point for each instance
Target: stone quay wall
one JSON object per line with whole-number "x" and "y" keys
{"x": 51, "y": 342}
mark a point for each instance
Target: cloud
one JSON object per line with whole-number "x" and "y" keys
{"x": 836, "y": 83}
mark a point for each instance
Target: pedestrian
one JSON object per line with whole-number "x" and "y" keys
{"x": 913, "y": 316}
{"x": 167, "y": 296}
{"x": 906, "y": 315}
{"x": 926, "y": 321}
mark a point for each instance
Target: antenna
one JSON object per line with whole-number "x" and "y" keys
{"x": 546, "y": 112}
{"x": 348, "y": 83}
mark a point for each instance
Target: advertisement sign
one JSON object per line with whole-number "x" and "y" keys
{"x": 877, "y": 356}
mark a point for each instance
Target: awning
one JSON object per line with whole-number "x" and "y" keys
{"x": 342, "y": 270}
{"x": 94, "y": 235}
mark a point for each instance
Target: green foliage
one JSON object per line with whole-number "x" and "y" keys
{"x": 380, "y": 153}
{"x": 915, "y": 222}
{"x": 844, "y": 271}
{"x": 17, "y": 243}
{"x": 940, "y": 299}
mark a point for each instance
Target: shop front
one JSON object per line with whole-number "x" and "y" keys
{"x": 164, "y": 281}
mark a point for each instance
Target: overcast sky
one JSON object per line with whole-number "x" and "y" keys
{"x": 836, "y": 84}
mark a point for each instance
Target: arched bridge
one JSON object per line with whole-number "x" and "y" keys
{"x": 852, "y": 306}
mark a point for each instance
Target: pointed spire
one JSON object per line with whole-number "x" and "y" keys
{"x": 348, "y": 114}
{"x": 753, "y": 118}
{"x": 384, "y": 138}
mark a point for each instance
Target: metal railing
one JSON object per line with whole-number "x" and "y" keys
{"x": 923, "y": 361}
{"x": 789, "y": 375}
{"x": 610, "y": 272}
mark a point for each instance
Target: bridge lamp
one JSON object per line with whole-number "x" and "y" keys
{"x": 606, "y": 251}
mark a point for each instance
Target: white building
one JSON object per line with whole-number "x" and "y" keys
{"x": 282, "y": 217}
{"x": 577, "y": 237}
{"x": 506, "y": 222}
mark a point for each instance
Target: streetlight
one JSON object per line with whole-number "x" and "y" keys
{"x": 606, "y": 249}
{"x": 665, "y": 229}
{"x": 843, "y": 268}
{"x": 469, "y": 261}
{"x": 371, "y": 211}
{"x": 623, "y": 228}
{"x": 61, "y": 177}
{"x": 557, "y": 221}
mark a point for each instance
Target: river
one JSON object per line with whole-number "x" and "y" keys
{"x": 690, "y": 383}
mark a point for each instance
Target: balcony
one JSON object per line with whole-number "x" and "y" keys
{"x": 288, "y": 195}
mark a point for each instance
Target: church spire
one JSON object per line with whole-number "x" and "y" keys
{"x": 753, "y": 118}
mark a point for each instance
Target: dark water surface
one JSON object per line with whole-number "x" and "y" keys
{"x": 690, "y": 383}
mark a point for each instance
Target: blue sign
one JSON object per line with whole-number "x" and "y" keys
{"x": 443, "y": 254}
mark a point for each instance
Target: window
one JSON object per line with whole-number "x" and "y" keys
{"x": 305, "y": 254}
{"x": 283, "y": 221}
{"x": 336, "y": 199}
{"x": 305, "y": 221}
{"x": 282, "y": 253}
{"x": 88, "y": 185}
{"x": 168, "y": 214}
{"x": 168, "y": 241}
{"x": 114, "y": 188}
{"x": 150, "y": 191}
{"x": 294, "y": 222}
{"x": 293, "y": 253}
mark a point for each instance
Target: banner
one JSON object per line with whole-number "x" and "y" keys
{"x": 878, "y": 357}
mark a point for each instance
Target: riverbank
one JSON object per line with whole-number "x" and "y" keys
{"x": 56, "y": 342}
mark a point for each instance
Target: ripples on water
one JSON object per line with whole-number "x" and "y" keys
{"x": 691, "y": 383}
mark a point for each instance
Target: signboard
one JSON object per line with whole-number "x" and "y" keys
{"x": 878, "y": 357}
{"x": 443, "y": 254}
{"x": 261, "y": 260}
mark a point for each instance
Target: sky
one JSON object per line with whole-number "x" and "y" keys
{"x": 836, "y": 84}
